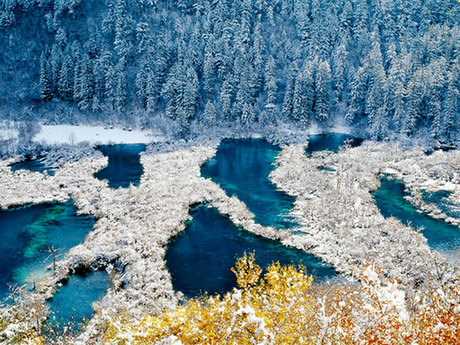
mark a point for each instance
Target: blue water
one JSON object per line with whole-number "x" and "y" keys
{"x": 72, "y": 303}
{"x": 201, "y": 257}
{"x": 241, "y": 167}
{"x": 124, "y": 166}
{"x": 441, "y": 236}
{"x": 440, "y": 198}
{"x": 32, "y": 165}
{"x": 331, "y": 142}
{"x": 27, "y": 233}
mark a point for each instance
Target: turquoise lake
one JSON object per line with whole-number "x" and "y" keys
{"x": 241, "y": 167}
{"x": 72, "y": 303}
{"x": 441, "y": 236}
{"x": 124, "y": 167}
{"x": 27, "y": 233}
{"x": 201, "y": 257}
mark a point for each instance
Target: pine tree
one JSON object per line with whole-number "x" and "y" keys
{"x": 226, "y": 97}
{"x": 190, "y": 95}
{"x": 339, "y": 71}
{"x": 120, "y": 94}
{"x": 65, "y": 78}
{"x": 322, "y": 86}
{"x": 210, "y": 113}
{"x": 288, "y": 102}
{"x": 45, "y": 80}
{"x": 452, "y": 104}
{"x": 269, "y": 114}
{"x": 86, "y": 84}
{"x": 303, "y": 96}
{"x": 123, "y": 43}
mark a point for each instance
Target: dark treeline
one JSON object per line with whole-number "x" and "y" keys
{"x": 391, "y": 65}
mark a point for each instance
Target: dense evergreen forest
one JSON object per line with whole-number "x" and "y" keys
{"x": 390, "y": 66}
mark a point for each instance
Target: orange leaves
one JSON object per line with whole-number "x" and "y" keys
{"x": 284, "y": 307}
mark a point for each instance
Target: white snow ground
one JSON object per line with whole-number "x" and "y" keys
{"x": 71, "y": 134}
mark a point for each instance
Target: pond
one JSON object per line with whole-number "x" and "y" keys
{"x": 441, "y": 236}
{"x": 26, "y": 235}
{"x": 241, "y": 167}
{"x": 201, "y": 257}
{"x": 124, "y": 167}
{"x": 331, "y": 142}
{"x": 72, "y": 303}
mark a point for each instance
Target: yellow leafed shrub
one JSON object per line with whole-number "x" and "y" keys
{"x": 285, "y": 307}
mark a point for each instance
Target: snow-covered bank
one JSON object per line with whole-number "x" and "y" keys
{"x": 340, "y": 220}
{"x": 134, "y": 224}
{"x": 71, "y": 134}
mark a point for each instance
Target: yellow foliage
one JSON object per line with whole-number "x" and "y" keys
{"x": 284, "y": 307}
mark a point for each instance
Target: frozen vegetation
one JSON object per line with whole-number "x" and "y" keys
{"x": 338, "y": 219}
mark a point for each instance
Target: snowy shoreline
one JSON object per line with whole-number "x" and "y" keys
{"x": 134, "y": 225}
{"x": 340, "y": 220}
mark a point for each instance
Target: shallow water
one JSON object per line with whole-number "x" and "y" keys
{"x": 124, "y": 167}
{"x": 72, "y": 303}
{"x": 201, "y": 257}
{"x": 241, "y": 167}
{"x": 331, "y": 142}
{"x": 441, "y": 236}
{"x": 26, "y": 235}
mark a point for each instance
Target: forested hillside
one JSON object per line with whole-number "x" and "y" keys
{"x": 389, "y": 66}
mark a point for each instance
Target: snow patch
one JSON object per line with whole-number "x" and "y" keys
{"x": 72, "y": 134}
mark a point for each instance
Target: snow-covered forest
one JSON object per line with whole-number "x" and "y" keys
{"x": 386, "y": 66}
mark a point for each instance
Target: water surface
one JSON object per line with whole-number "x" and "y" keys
{"x": 201, "y": 257}
{"x": 241, "y": 167}
{"x": 440, "y": 198}
{"x": 441, "y": 236}
{"x": 124, "y": 167}
{"x": 33, "y": 164}
{"x": 331, "y": 142}
{"x": 26, "y": 235}
{"x": 72, "y": 303}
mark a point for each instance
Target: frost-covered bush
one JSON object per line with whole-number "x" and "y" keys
{"x": 285, "y": 307}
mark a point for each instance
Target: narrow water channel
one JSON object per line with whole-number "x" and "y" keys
{"x": 124, "y": 167}
{"x": 201, "y": 257}
{"x": 27, "y": 234}
{"x": 33, "y": 164}
{"x": 241, "y": 167}
{"x": 441, "y": 236}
